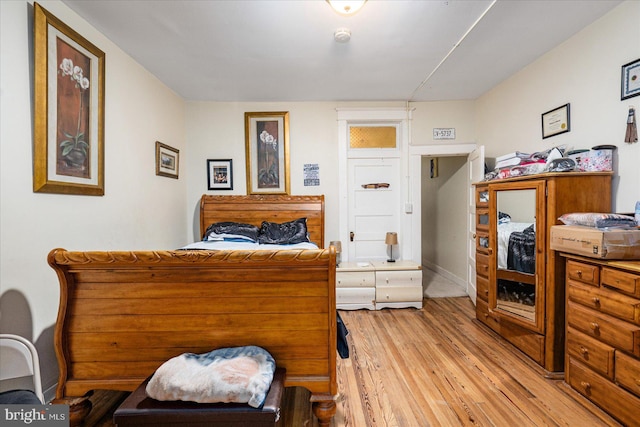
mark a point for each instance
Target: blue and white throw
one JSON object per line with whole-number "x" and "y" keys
{"x": 236, "y": 374}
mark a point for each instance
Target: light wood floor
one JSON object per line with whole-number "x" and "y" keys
{"x": 430, "y": 367}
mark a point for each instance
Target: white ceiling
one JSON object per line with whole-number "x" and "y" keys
{"x": 265, "y": 50}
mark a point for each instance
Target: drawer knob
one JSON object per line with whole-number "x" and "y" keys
{"x": 584, "y": 351}
{"x": 596, "y": 301}
{"x": 585, "y": 385}
{"x": 490, "y": 251}
{"x": 595, "y": 326}
{"x": 579, "y": 273}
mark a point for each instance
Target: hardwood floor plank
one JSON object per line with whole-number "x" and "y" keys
{"x": 435, "y": 366}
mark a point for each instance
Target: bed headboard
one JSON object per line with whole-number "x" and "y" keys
{"x": 254, "y": 209}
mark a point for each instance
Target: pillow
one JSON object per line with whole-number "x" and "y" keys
{"x": 236, "y": 374}
{"x": 286, "y": 233}
{"x": 234, "y": 231}
{"x": 598, "y": 220}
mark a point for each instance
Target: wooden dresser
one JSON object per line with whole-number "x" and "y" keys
{"x": 526, "y": 306}
{"x": 603, "y": 334}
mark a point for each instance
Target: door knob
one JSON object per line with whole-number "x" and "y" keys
{"x": 351, "y": 235}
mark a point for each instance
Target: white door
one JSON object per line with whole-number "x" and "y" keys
{"x": 476, "y": 173}
{"x": 373, "y": 211}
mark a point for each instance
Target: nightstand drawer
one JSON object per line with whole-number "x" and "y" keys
{"x": 355, "y": 279}
{"x": 598, "y": 356}
{"x": 398, "y": 293}
{"x": 406, "y": 278}
{"x": 355, "y": 295}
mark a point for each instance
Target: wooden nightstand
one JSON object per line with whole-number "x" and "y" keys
{"x": 355, "y": 286}
{"x": 398, "y": 284}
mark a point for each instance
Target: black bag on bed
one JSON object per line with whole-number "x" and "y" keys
{"x": 521, "y": 255}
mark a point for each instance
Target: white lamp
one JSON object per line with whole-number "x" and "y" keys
{"x": 391, "y": 239}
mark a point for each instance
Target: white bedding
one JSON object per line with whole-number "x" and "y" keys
{"x": 218, "y": 245}
{"x": 504, "y": 231}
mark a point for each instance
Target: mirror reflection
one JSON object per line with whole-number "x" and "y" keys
{"x": 516, "y": 258}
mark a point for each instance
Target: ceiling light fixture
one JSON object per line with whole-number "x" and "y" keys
{"x": 346, "y": 7}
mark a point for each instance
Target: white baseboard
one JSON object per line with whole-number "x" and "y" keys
{"x": 446, "y": 274}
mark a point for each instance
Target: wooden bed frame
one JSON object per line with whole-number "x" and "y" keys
{"x": 122, "y": 314}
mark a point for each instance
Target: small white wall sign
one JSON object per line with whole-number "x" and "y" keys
{"x": 444, "y": 133}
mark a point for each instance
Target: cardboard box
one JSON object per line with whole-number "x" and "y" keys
{"x": 596, "y": 243}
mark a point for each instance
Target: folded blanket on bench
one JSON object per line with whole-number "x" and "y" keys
{"x": 236, "y": 374}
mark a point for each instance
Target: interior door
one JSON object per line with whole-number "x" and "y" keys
{"x": 373, "y": 208}
{"x": 476, "y": 173}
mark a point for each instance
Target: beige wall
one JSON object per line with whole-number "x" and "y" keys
{"x": 216, "y": 131}
{"x": 444, "y": 213}
{"x": 585, "y": 72}
{"x": 139, "y": 209}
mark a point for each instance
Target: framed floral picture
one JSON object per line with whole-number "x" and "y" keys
{"x": 69, "y": 72}
{"x": 267, "y": 152}
{"x": 167, "y": 160}
{"x": 220, "y": 174}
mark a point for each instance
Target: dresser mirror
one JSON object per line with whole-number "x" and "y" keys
{"x": 515, "y": 291}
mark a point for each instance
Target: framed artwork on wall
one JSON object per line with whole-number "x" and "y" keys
{"x": 220, "y": 174}
{"x": 167, "y": 160}
{"x": 68, "y": 137}
{"x": 267, "y": 152}
{"x": 630, "y": 79}
{"x": 556, "y": 121}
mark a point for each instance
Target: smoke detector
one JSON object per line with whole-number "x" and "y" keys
{"x": 342, "y": 35}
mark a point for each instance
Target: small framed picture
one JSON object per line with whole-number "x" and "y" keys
{"x": 556, "y": 121}
{"x": 220, "y": 174}
{"x": 167, "y": 160}
{"x": 630, "y": 79}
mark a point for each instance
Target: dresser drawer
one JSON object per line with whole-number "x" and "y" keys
{"x": 398, "y": 293}
{"x": 628, "y": 372}
{"x": 404, "y": 278}
{"x": 617, "y": 401}
{"x": 354, "y": 279}
{"x": 606, "y": 328}
{"x": 482, "y": 264}
{"x": 593, "y": 353}
{"x": 586, "y": 273}
{"x": 621, "y": 280}
{"x": 605, "y": 300}
{"x": 482, "y": 287}
{"x": 355, "y": 295}
{"x": 485, "y": 316}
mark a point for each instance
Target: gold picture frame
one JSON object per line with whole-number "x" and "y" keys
{"x": 167, "y": 160}
{"x": 267, "y": 152}
{"x": 68, "y": 138}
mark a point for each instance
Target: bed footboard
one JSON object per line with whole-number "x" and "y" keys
{"x": 122, "y": 314}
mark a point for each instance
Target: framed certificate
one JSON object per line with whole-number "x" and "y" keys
{"x": 556, "y": 121}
